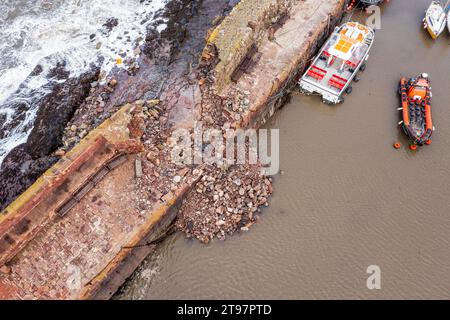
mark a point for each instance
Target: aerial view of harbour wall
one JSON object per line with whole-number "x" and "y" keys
{"x": 104, "y": 190}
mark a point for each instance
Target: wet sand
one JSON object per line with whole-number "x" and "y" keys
{"x": 347, "y": 198}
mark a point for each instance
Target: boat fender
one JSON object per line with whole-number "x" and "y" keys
{"x": 349, "y": 90}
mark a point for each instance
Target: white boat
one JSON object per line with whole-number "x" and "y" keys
{"x": 435, "y": 19}
{"x": 338, "y": 62}
{"x": 448, "y": 21}
{"x": 448, "y": 16}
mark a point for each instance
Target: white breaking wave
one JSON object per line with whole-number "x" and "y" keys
{"x": 43, "y": 32}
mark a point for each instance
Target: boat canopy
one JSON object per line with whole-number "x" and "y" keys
{"x": 350, "y": 43}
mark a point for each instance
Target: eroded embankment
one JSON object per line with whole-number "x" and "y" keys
{"x": 96, "y": 245}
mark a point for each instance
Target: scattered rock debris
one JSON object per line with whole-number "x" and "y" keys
{"x": 224, "y": 201}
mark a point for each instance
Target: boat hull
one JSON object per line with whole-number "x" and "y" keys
{"x": 336, "y": 66}
{"x": 448, "y": 21}
{"x": 432, "y": 33}
{"x": 368, "y": 3}
{"x": 435, "y": 19}
{"x": 416, "y": 110}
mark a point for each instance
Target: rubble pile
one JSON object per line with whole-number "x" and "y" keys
{"x": 90, "y": 114}
{"x": 224, "y": 201}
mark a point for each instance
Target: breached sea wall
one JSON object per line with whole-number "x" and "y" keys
{"x": 244, "y": 91}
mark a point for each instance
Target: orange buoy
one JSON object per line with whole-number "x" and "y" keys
{"x": 428, "y": 142}
{"x": 413, "y": 147}
{"x": 397, "y": 145}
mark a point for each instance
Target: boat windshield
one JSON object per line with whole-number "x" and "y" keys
{"x": 358, "y": 53}
{"x": 352, "y": 51}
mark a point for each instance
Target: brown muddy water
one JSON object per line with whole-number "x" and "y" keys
{"x": 347, "y": 198}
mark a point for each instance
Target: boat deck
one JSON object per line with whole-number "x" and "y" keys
{"x": 332, "y": 72}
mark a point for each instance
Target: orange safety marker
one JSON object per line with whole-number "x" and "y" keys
{"x": 413, "y": 147}
{"x": 428, "y": 142}
{"x": 397, "y": 145}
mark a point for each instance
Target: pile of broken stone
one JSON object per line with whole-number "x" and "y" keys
{"x": 224, "y": 201}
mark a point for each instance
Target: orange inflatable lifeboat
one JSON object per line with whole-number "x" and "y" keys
{"x": 416, "y": 96}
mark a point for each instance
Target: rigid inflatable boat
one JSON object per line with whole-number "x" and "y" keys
{"x": 416, "y": 96}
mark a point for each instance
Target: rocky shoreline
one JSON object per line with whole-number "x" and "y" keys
{"x": 26, "y": 162}
{"x": 169, "y": 62}
{"x": 68, "y": 108}
{"x": 176, "y": 84}
{"x": 173, "y": 85}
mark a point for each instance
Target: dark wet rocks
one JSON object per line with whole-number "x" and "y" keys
{"x": 36, "y": 71}
{"x": 58, "y": 72}
{"x": 110, "y": 24}
{"x": 25, "y": 99}
{"x": 167, "y": 43}
{"x": 55, "y": 111}
{"x": 20, "y": 108}
{"x": 25, "y": 163}
{"x": 18, "y": 171}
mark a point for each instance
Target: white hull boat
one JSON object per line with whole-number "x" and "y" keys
{"x": 448, "y": 19}
{"x": 338, "y": 63}
{"x": 435, "y": 19}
